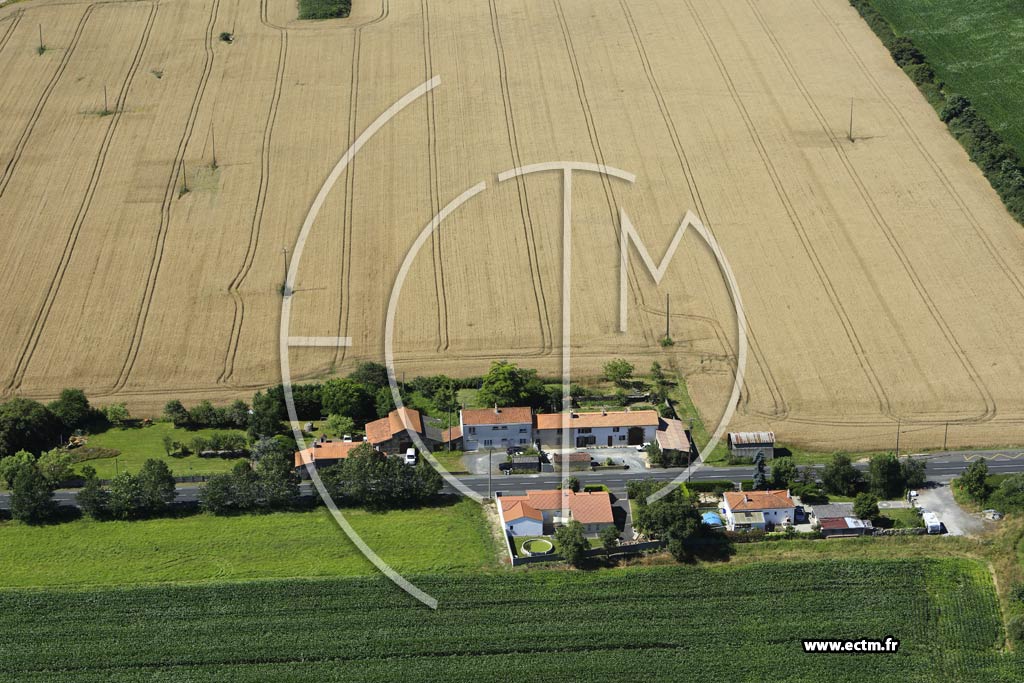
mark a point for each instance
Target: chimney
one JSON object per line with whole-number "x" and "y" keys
{"x": 323, "y": 438}
{"x": 497, "y": 410}
{"x": 604, "y": 410}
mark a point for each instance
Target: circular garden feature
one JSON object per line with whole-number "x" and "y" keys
{"x": 537, "y": 546}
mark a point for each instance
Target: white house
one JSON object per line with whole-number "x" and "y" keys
{"x": 602, "y": 428}
{"x": 528, "y": 515}
{"x": 496, "y": 427}
{"x": 757, "y": 509}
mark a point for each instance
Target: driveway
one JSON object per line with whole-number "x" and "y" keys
{"x": 957, "y": 522}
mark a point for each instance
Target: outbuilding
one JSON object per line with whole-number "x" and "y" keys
{"x": 749, "y": 444}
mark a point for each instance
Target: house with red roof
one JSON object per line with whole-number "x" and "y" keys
{"x": 325, "y": 452}
{"x": 538, "y": 512}
{"x": 391, "y": 434}
{"x": 745, "y": 510}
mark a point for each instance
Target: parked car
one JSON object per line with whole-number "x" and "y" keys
{"x": 347, "y": 438}
{"x": 410, "y": 456}
{"x": 800, "y": 514}
{"x": 642, "y": 448}
{"x": 515, "y": 450}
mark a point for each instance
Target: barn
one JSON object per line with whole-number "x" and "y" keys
{"x": 749, "y": 444}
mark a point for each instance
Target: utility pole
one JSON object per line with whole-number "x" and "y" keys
{"x": 213, "y": 143}
{"x": 668, "y": 331}
{"x": 42, "y": 48}
{"x": 106, "y": 109}
{"x": 850, "y": 134}
{"x": 898, "y": 423}
{"x": 184, "y": 179}
{"x": 489, "y": 451}
{"x": 284, "y": 250}
{"x": 945, "y": 434}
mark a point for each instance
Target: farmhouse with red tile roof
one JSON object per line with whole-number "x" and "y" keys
{"x": 529, "y": 515}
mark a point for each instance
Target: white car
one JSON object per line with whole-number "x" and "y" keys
{"x": 642, "y": 448}
{"x": 410, "y": 456}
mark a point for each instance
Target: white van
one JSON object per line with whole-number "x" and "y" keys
{"x": 410, "y": 456}
{"x": 931, "y": 523}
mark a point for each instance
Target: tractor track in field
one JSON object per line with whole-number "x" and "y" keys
{"x": 170, "y": 195}
{"x": 794, "y": 218}
{"x": 15, "y": 19}
{"x": 436, "y": 243}
{"x": 53, "y": 289}
{"x": 950, "y": 188}
{"x": 256, "y": 224}
{"x": 595, "y": 144}
{"x": 781, "y": 409}
{"x": 887, "y": 230}
{"x": 529, "y": 232}
{"x": 37, "y": 112}
{"x": 348, "y": 214}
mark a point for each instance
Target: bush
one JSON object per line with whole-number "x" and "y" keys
{"x": 1015, "y": 629}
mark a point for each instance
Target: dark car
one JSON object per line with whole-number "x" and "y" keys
{"x": 515, "y": 450}
{"x": 800, "y": 514}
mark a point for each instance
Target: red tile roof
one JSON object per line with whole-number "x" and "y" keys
{"x": 520, "y": 510}
{"x": 488, "y": 416}
{"x": 587, "y": 508}
{"x": 673, "y": 436}
{"x": 452, "y": 434}
{"x": 330, "y": 450}
{"x": 618, "y": 418}
{"x": 759, "y": 500}
{"x": 383, "y": 429}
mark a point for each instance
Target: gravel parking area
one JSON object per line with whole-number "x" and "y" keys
{"x": 957, "y": 522}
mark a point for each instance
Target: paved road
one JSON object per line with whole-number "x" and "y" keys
{"x": 957, "y": 522}
{"x": 940, "y": 468}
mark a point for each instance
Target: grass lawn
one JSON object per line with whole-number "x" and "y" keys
{"x": 446, "y": 538}
{"x": 903, "y": 518}
{"x": 687, "y": 410}
{"x": 451, "y": 461}
{"x": 138, "y": 444}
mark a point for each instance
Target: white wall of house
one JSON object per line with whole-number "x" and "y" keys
{"x": 524, "y": 526}
{"x": 774, "y": 516}
{"x": 603, "y": 436}
{"x": 499, "y": 437}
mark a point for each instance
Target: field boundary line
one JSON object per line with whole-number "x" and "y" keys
{"x": 595, "y": 144}
{"x": 15, "y": 19}
{"x": 37, "y": 112}
{"x": 53, "y": 289}
{"x": 256, "y": 225}
{"x": 932, "y": 163}
{"x": 165, "y": 212}
{"x": 529, "y": 231}
{"x": 882, "y": 223}
{"x": 795, "y": 221}
{"x": 781, "y": 407}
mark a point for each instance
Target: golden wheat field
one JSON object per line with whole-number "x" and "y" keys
{"x": 882, "y": 279}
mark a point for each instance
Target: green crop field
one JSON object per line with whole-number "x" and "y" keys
{"x": 977, "y": 48}
{"x": 205, "y": 548}
{"x": 141, "y": 443}
{"x": 663, "y": 623}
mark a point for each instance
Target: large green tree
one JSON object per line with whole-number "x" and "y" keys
{"x": 278, "y": 482}
{"x": 784, "y": 472}
{"x": 343, "y": 396}
{"x": 506, "y": 384}
{"x": 93, "y": 498}
{"x": 31, "y": 497}
{"x": 974, "y": 480}
{"x": 267, "y": 415}
{"x": 840, "y": 477}
{"x": 619, "y": 371}
{"x": 12, "y": 464}
{"x": 72, "y": 409}
{"x": 157, "y": 485}
{"x": 865, "y": 506}
{"x": 127, "y": 499}
{"x": 27, "y": 425}
{"x": 571, "y": 543}
{"x": 56, "y": 465}
{"x": 885, "y": 476}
